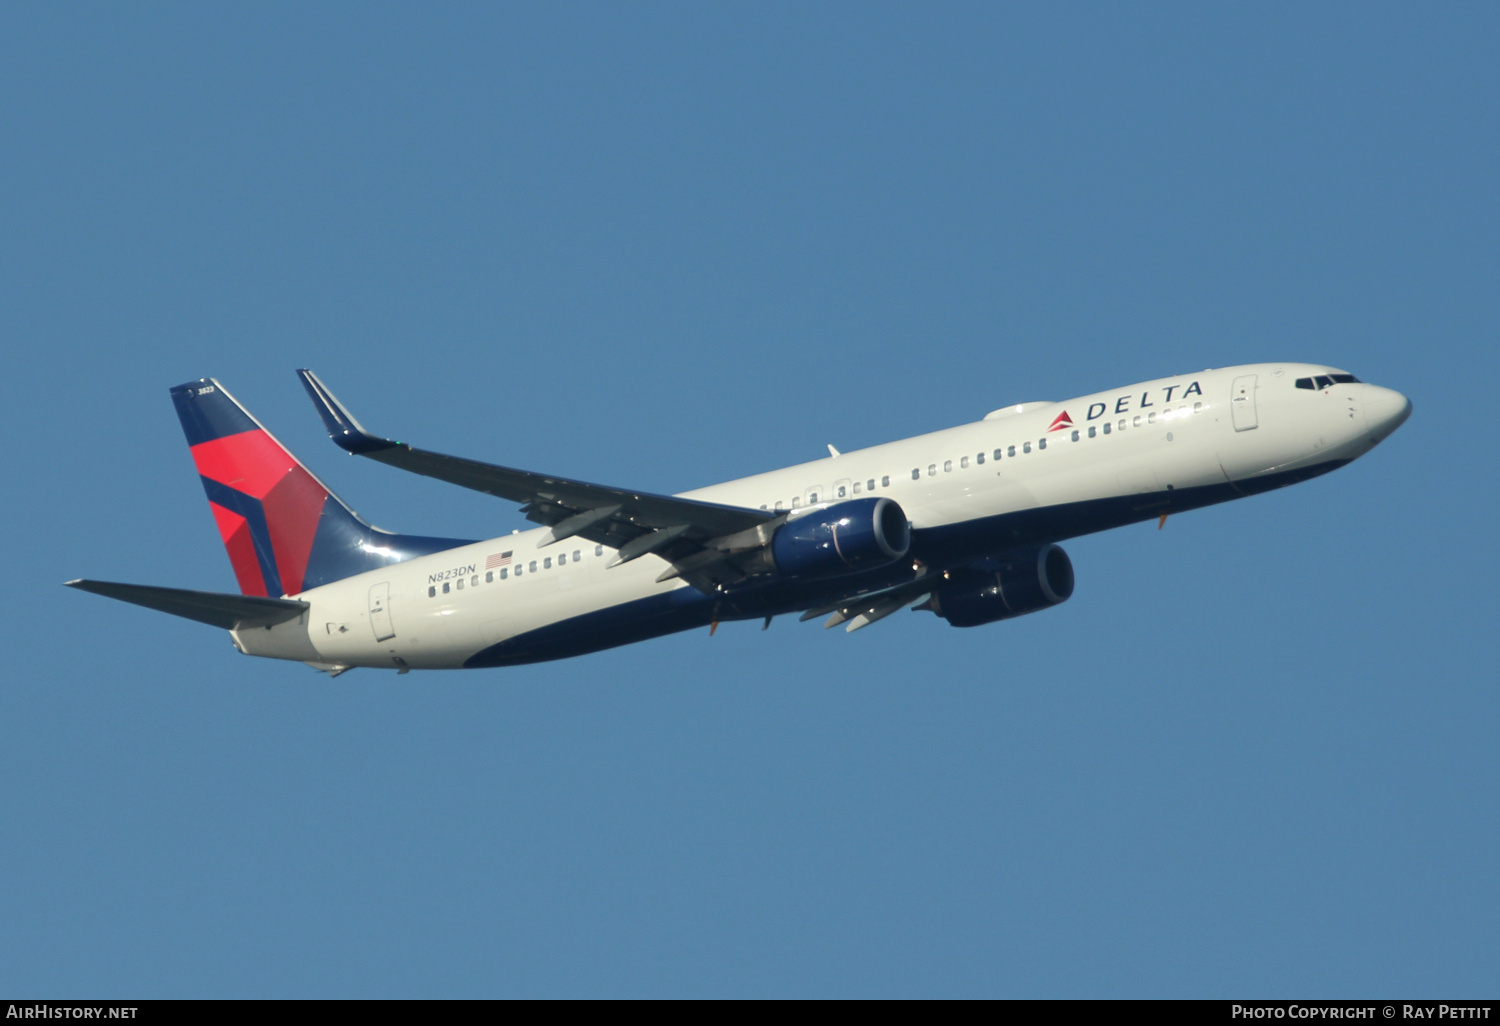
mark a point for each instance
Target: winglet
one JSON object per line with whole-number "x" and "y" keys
{"x": 347, "y": 433}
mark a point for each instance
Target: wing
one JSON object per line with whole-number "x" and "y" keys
{"x": 704, "y": 541}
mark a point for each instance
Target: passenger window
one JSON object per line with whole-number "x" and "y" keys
{"x": 1041, "y": 443}
{"x": 1151, "y": 418}
{"x": 812, "y": 497}
{"x": 947, "y": 466}
{"x": 532, "y": 567}
{"x": 916, "y": 473}
{"x": 504, "y": 573}
{"x": 979, "y": 459}
{"x": 489, "y": 577}
{"x": 963, "y": 464}
{"x": 1092, "y": 431}
{"x": 1009, "y": 451}
{"x": 577, "y": 555}
{"x": 932, "y": 470}
{"x": 1137, "y": 421}
{"x": 599, "y": 549}
{"x": 547, "y": 563}
{"x": 1305, "y": 383}
{"x": 885, "y": 482}
{"x": 1075, "y": 435}
{"x": 1122, "y": 424}
{"x": 562, "y": 559}
{"x": 796, "y": 503}
{"x": 474, "y": 581}
{"x": 763, "y": 505}
{"x": 1026, "y": 447}
{"x": 459, "y": 584}
{"x": 778, "y": 506}
{"x": 841, "y": 491}
{"x": 1106, "y": 427}
{"x": 856, "y": 488}
{"x": 1197, "y": 407}
{"x": 432, "y": 591}
{"x": 518, "y": 569}
{"x": 445, "y": 587}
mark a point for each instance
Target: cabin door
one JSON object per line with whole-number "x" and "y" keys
{"x": 1242, "y": 402}
{"x": 380, "y": 611}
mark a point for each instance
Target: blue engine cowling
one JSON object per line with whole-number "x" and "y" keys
{"x": 861, "y": 534}
{"x": 1000, "y": 588}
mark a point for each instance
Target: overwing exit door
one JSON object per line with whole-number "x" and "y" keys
{"x": 1242, "y": 402}
{"x": 380, "y": 611}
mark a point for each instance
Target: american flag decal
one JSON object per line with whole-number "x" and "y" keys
{"x": 497, "y": 559}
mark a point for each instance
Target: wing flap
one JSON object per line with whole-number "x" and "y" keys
{"x": 864, "y": 608}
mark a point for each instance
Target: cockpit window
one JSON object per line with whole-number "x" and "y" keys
{"x": 1324, "y": 380}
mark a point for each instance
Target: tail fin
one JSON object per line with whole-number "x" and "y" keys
{"x": 285, "y": 531}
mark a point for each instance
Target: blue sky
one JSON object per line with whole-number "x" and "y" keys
{"x": 665, "y": 245}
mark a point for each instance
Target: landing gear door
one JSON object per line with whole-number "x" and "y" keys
{"x": 380, "y": 611}
{"x": 1242, "y": 403}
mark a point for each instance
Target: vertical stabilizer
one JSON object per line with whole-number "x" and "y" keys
{"x": 284, "y": 530}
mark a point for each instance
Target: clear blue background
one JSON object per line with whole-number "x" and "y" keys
{"x": 665, "y": 245}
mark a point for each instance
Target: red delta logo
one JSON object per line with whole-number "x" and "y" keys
{"x": 267, "y": 506}
{"x": 1061, "y": 422}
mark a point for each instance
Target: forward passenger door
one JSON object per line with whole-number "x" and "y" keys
{"x": 1242, "y": 403}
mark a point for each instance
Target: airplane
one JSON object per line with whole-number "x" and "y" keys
{"x": 963, "y": 522}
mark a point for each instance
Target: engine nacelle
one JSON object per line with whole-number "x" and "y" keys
{"x": 998, "y": 589}
{"x": 861, "y": 534}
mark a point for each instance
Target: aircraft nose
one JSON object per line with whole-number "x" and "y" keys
{"x": 1385, "y": 410}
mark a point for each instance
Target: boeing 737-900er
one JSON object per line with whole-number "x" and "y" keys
{"x": 963, "y": 522}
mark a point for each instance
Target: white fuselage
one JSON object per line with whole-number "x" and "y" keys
{"x": 1213, "y": 429}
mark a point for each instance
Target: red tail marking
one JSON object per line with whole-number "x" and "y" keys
{"x": 249, "y": 462}
{"x": 236, "y": 534}
{"x": 293, "y": 508}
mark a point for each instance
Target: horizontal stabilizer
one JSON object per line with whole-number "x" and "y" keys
{"x": 211, "y": 607}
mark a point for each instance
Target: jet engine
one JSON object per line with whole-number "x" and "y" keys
{"x": 1000, "y": 588}
{"x": 861, "y": 534}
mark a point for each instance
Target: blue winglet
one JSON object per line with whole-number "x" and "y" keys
{"x": 347, "y": 433}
